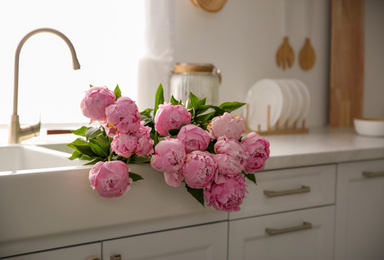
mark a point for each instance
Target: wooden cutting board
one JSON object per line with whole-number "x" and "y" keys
{"x": 347, "y": 62}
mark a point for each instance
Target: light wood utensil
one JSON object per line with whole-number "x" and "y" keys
{"x": 307, "y": 56}
{"x": 285, "y": 55}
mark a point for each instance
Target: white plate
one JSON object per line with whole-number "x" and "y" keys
{"x": 287, "y": 101}
{"x": 263, "y": 93}
{"x": 297, "y": 101}
{"x": 306, "y": 101}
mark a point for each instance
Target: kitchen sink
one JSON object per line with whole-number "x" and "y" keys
{"x": 25, "y": 158}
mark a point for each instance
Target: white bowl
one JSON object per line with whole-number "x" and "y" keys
{"x": 369, "y": 126}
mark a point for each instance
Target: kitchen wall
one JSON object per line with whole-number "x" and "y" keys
{"x": 243, "y": 37}
{"x": 374, "y": 59}
{"x": 242, "y": 40}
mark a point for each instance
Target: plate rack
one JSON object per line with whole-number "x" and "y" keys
{"x": 295, "y": 129}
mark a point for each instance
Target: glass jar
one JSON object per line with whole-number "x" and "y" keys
{"x": 203, "y": 80}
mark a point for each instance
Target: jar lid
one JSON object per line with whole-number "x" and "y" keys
{"x": 193, "y": 67}
{"x": 211, "y": 6}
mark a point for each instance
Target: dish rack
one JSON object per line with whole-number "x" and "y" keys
{"x": 278, "y": 128}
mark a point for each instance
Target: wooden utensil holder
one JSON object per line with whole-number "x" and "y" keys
{"x": 276, "y": 129}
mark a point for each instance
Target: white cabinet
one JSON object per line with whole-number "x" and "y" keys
{"x": 76, "y": 252}
{"x": 360, "y": 211}
{"x": 289, "y": 189}
{"x": 288, "y": 215}
{"x": 302, "y": 234}
{"x": 207, "y": 242}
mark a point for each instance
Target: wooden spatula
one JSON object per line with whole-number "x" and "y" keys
{"x": 285, "y": 55}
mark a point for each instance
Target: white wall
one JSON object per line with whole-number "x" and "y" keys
{"x": 374, "y": 59}
{"x": 242, "y": 39}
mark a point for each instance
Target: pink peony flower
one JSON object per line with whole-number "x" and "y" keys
{"x": 171, "y": 117}
{"x": 96, "y": 100}
{"x": 173, "y": 179}
{"x": 124, "y": 115}
{"x": 124, "y": 144}
{"x": 227, "y": 196}
{"x": 257, "y": 149}
{"x": 110, "y": 179}
{"x": 226, "y": 166}
{"x": 234, "y": 151}
{"x": 194, "y": 138}
{"x": 144, "y": 141}
{"x": 199, "y": 169}
{"x": 169, "y": 156}
{"x": 110, "y": 129}
{"x": 227, "y": 125}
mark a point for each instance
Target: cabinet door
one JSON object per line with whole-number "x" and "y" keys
{"x": 304, "y": 234}
{"x": 360, "y": 211}
{"x": 75, "y": 252}
{"x": 200, "y": 242}
{"x": 299, "y": 188}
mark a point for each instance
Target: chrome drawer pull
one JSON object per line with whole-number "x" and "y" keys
{"x": 272, "y": 194}
{"x": 373, "y": 174}
{"x": 273, "y": 232}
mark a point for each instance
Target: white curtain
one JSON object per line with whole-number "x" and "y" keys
{"x": 155, "y": 66}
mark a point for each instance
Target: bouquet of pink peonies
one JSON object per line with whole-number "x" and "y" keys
{"x": 201, "y": 146}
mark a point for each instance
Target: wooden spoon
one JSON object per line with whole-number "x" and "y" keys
{"x": 307, "y": 56}
{"x": 285, "y": 54}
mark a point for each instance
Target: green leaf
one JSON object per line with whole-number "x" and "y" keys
{"x": 202, "y": 102}
{"x": 194, "y": 101}
{"x": 174, "y": 101}
{"x": 92, "y": 132}
{"x": 159, "y": 98}
{"x": 117, "y": 92}
{"x": 75, "y": 155}
{"x": 146, "y": 112}
{"x": 81, "y": 131}
{"x": 97, "y": 149}
{"x": 173, "y": 132}
{"x": 84, "y": 147}
{"x": 141, "y": 159}
{"x": 198, "y": 194}
{"x": 105, "y": 143}
{"x": 93, "y": 161}
{"x": 205, "y": 117}
{"x": 250, "y": 177}
{"x": 231, "y": 106}
{"x": 135, "y": 177}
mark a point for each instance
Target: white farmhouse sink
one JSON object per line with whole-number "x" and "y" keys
{"x": 19, "y": 158}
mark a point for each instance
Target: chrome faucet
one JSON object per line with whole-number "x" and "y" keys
{"x": 18, "y": 133}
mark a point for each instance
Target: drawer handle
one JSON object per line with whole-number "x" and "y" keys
{"x": 271, "y": 194}
{"x": 273, "y": 232}
{"x": 373, "y": 174}
{"x": 115, "y": 257}
{"x": 93, "y": 257}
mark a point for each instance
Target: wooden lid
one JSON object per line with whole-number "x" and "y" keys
{"x": 211, "y": 6}
{"x": 190, "y": 67}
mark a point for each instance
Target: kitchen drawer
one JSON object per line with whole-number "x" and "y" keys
{"x": 310, "y": 237}
{"x": 296, "y": 188}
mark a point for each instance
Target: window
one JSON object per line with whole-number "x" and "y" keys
{"x": 109, "y": 40}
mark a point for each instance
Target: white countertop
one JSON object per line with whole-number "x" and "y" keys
{"x": 322, "y": 146}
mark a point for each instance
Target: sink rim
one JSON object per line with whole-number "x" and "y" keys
{"x": 77, "y": 164}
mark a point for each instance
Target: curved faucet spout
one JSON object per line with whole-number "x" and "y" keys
{"x": 16, "y": 133}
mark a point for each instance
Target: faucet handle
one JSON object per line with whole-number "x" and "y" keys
{"x": 29, "y": 131}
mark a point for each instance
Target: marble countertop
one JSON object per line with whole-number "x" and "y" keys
{"x": 322, "y": 146}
